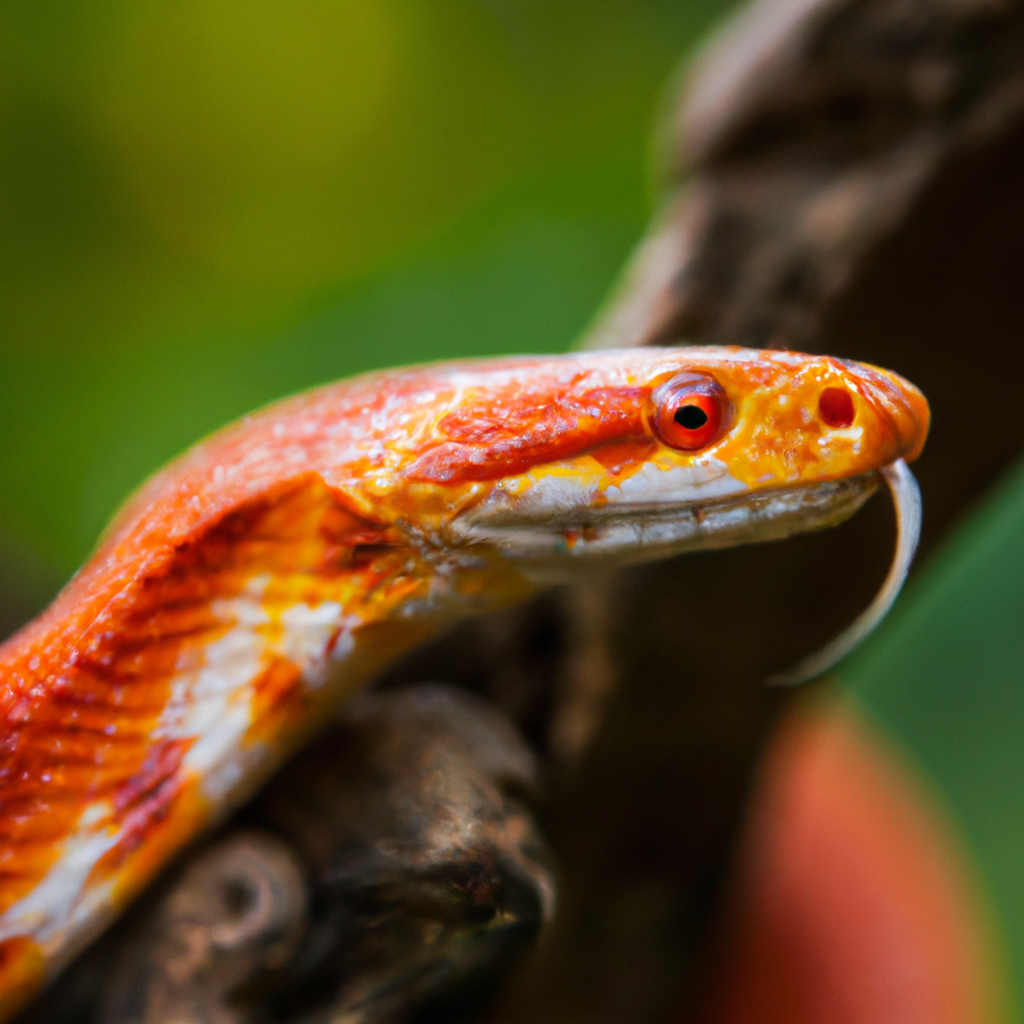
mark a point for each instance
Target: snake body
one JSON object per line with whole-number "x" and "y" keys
{"x": 251, "y": 585}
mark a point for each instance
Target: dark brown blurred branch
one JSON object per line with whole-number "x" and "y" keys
{"x": 807, "y": 134}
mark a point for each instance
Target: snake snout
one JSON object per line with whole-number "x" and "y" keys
{"x": 898, "y": 403}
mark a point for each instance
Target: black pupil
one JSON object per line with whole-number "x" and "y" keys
{"x": 692, "y": 417}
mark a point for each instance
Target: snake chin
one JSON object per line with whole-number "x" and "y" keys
{"x": 548, "y": 548}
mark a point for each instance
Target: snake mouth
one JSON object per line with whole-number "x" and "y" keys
{"x": 550, "y": 546}
{"x": 544, "y": 547}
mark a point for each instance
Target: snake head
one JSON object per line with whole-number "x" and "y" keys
{"x": 630, "y": 455}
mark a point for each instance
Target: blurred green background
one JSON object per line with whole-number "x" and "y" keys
{"x": 206, "y": 204}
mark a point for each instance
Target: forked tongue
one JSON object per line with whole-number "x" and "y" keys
{"x": 906, "y": 498}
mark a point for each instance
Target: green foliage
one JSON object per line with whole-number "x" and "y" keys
{"x": 205, "y": 204}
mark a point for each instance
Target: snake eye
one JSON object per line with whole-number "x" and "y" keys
{"x": 689, "y": 411}
{"x": 836, "y": 407}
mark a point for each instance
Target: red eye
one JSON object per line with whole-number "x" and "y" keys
{"x": 689, "y": 411}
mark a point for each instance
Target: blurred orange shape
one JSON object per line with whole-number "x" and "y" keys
{"x": 852, "y": 903}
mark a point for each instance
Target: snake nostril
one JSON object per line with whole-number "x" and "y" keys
{"x": 836, "y": 407}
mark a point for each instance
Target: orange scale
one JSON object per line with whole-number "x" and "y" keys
{"x": 188, "y": 619}
{"x": 165, "y": 834}
{"x": 29, "y": 794}
{"x": 150, "y": 665}
{"x": 22, "y": 969}
{"x": 624, "y": 458}
{"x": 173, "y": 612}
{"x": 75, "y": 684}
{"x": 9, "y": 856}
{"x": 143, "y": 826}
{"x": 75, "y": 780}
{"x": 63, "y": 745}
{"x": 138, "y": 704}
{"x": 161, "y": 764}
{"x": 30, "y": 858}
{"x": 75, "y": 741}
{"x": 279, "y": 698}
{"x": 27, "y": 831}
{"x": 88, "y": 694}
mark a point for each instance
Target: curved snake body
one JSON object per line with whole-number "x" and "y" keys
{"x": 253, "y": 583}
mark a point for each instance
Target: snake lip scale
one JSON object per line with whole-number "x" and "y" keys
{"x": 252, "y": 585}
{"x": 634, "y": 532}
